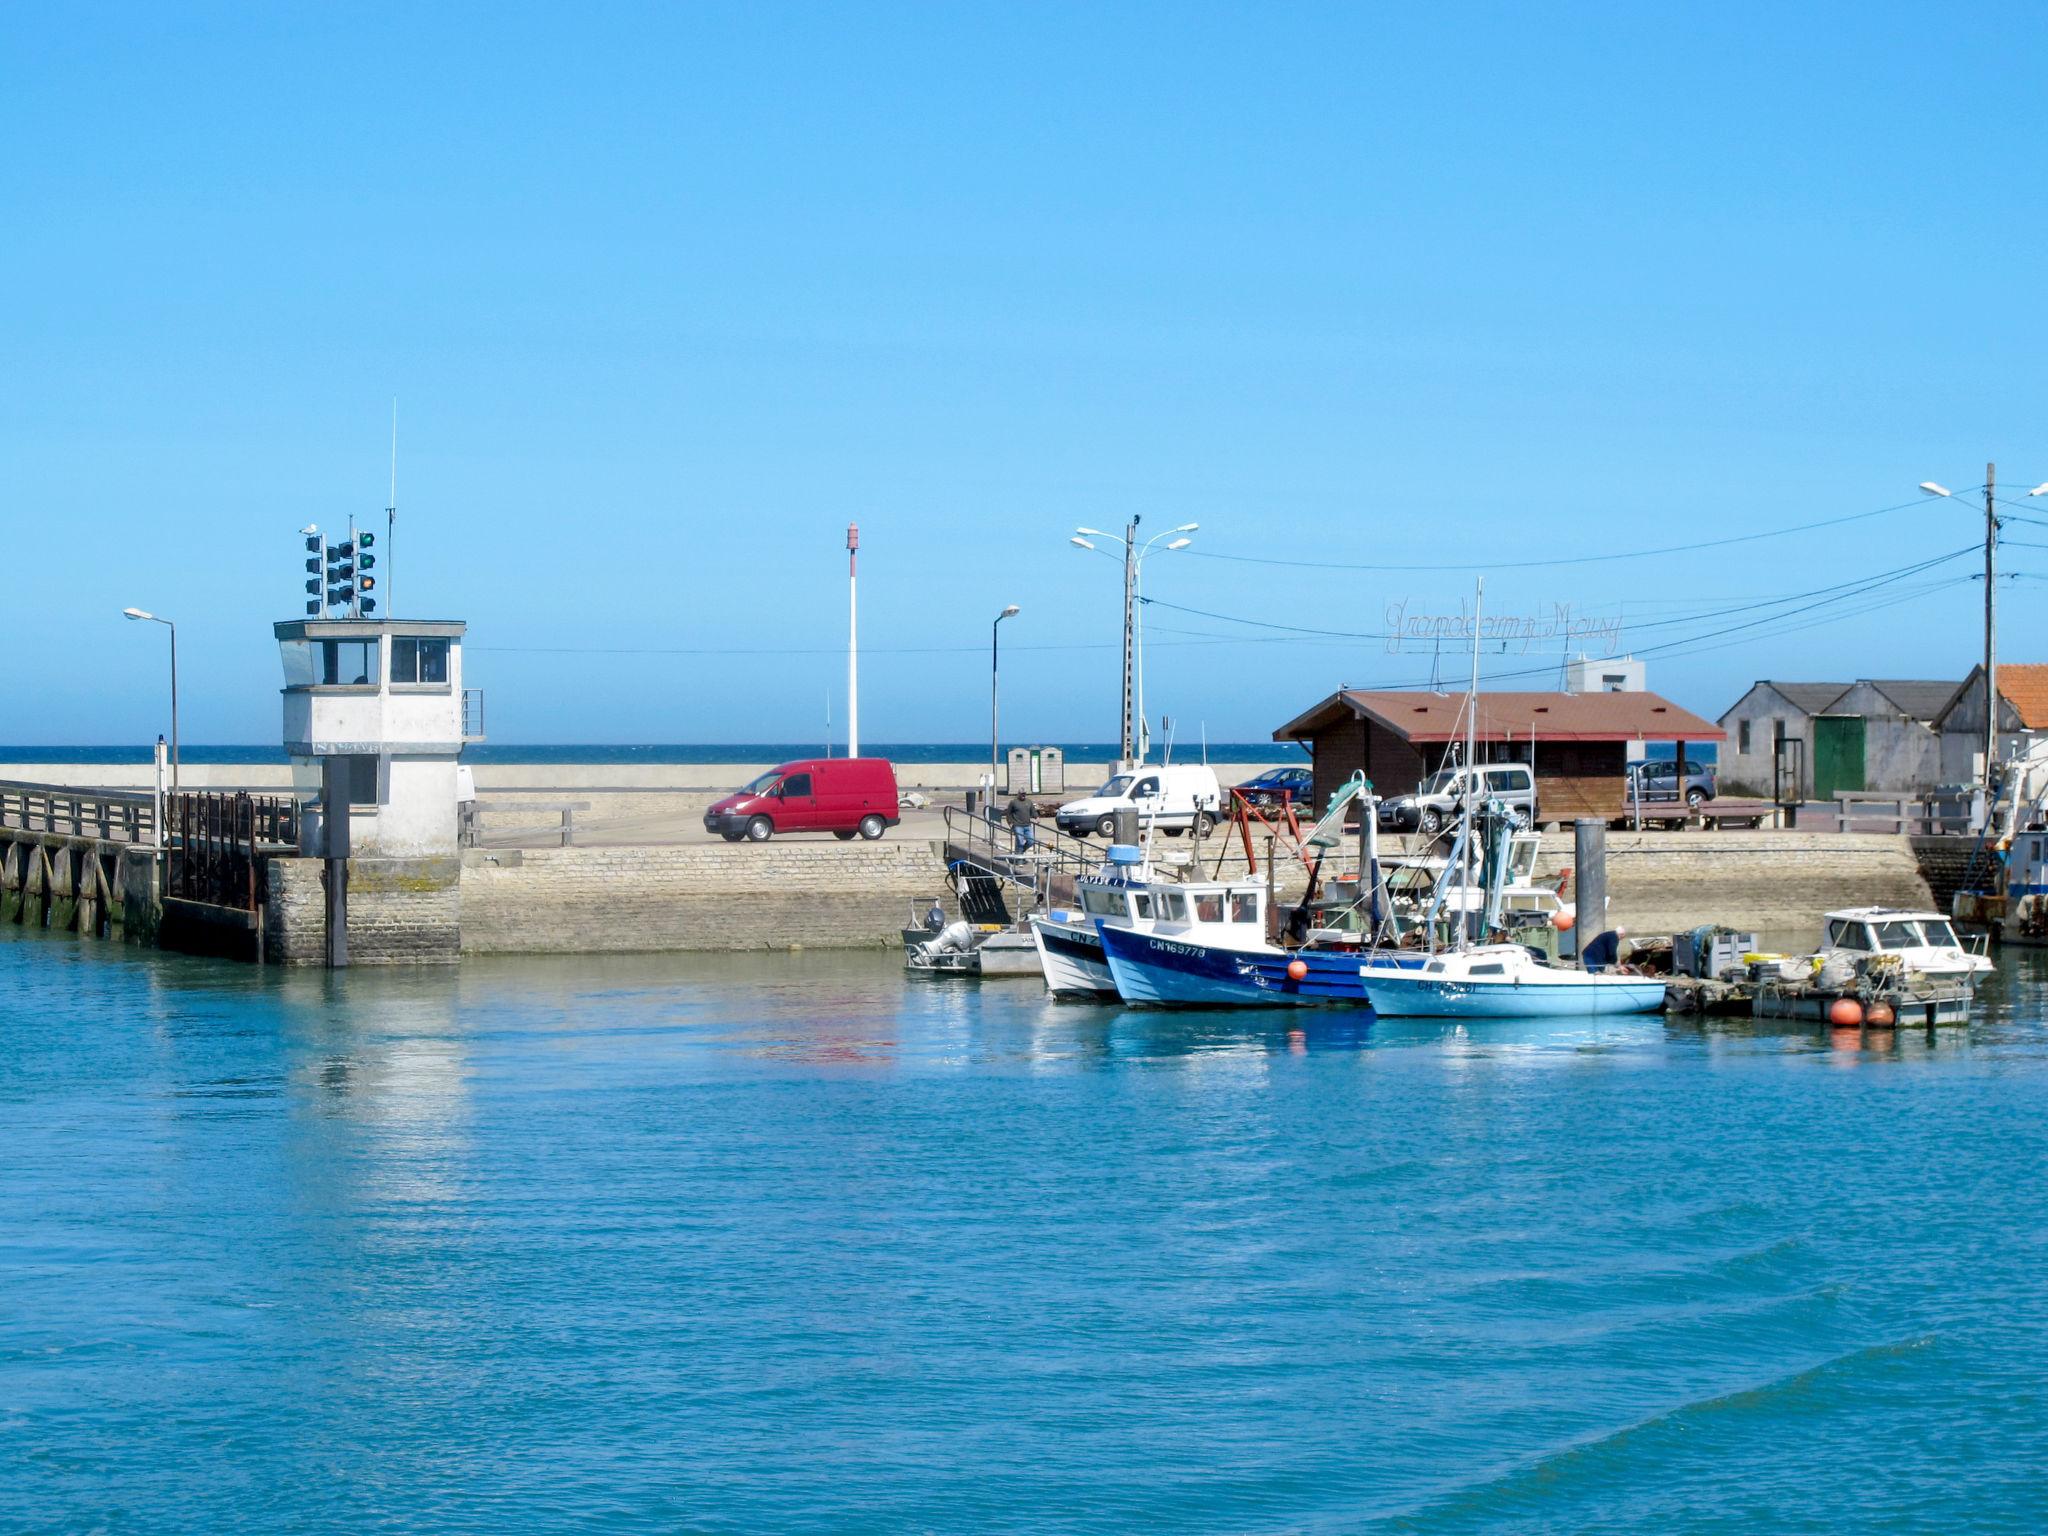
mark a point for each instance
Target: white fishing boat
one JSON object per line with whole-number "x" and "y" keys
{"x": 1491, "y": 980}
{"x": 1070, "y": 954}
{"x": 1918, "y": 943}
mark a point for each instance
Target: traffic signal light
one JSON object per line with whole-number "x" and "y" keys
{"x": 369, "y": 606}
{"x": 313, "y": 609}
{"x": 313, "y": 587}
{"x": 338, "y": 597}
{"x": 312, "y": 543}
{"x": 366, "y": 583}
{"x": 313, "y": 566}
{"x": 367, "y": 540}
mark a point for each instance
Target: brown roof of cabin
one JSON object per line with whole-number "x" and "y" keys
{"x": 1438, "y": 717}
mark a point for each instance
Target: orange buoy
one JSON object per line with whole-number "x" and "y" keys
{"x": 1880, "y": 1013}
{"x": 1297, "y": 970}
{"x": 1845, "y": 1010}
{"x": 1562, "y": 921}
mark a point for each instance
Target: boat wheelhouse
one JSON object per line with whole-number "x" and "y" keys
{"x": 1922, "y": 943}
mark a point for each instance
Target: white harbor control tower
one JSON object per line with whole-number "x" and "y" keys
{"x": 375, "y": 720}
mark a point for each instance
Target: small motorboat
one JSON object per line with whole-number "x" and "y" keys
{"x": 1917, "y": 943}
{"x": 1494, "y": 981}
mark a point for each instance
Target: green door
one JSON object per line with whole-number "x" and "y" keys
{"x": 1837, "y": 755}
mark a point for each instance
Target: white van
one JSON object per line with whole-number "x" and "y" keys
{"x": 1174, "y": 800}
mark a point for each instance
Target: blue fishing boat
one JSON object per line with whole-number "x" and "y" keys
{"x": 1177, "y": 966}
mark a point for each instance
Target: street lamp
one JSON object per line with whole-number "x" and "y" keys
{"x": 137, "y": 613}
{"x": 995, "y": 634}
{"x": 1134, "y": 727}
{"x": 1935, "y": 488}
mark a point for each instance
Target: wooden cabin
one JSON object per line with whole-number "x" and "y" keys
{"x": 1578, "y": 744}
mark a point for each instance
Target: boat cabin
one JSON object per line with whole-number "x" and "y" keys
{"x": 1240, "y": 909}
{"x": 1922, "y": 941}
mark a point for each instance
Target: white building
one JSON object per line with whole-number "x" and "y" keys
{"x": 375, "y": 719}
{"x": 1613, "y": 674}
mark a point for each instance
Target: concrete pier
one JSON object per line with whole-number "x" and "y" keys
{"x": 645, "y": 882}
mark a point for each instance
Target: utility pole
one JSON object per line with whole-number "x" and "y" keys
{"x": 1990, "y": 629}
{"x": 1130, "y": 615}
{"x": 852, "y": 642}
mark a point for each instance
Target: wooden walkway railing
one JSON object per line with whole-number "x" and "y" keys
{"x": 111, "y": 816}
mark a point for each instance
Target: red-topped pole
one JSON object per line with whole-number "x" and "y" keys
{"x": 852, "y": 641}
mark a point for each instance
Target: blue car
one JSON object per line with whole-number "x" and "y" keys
{"x": 1278, "y": 786}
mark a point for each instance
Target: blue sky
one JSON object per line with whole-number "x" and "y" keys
{"x": 669, "y": 294}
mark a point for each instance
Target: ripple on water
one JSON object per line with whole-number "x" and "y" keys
{"x": 782, "y": 1243}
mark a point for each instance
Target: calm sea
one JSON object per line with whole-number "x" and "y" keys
{"x": 787, "y": 1244}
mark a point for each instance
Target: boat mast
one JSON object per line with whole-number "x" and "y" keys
{"x": 1471, "y": 757}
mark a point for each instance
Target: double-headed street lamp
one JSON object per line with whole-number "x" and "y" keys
{"x": 137, "y": 613}
{"x": 1935, "y": 488}
{"x": 1134, "y": 728}
{"x": 995, "y": 632}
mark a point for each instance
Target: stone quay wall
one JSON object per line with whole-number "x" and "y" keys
{"x": 400, "y": 911}
{"x": 704, "y": 897}
{"x": 1775, "y": 883}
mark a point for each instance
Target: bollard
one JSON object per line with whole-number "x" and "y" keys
{"x": 1589, "y": 870}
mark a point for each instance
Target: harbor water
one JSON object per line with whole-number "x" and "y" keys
{"x": 786, "y": 1243}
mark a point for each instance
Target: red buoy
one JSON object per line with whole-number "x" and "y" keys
{"x": 1880, "y": 1013}
{"x": 1845, "y": 1010}
{"x": 1297, "y": 970}
{"x": 1562, "y": 921}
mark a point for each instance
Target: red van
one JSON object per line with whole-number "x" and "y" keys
{"x": 840, "y": 795}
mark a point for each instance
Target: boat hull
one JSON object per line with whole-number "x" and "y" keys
{"x": 1070, "y": 956}
{"x": 1405, "y": 994}
{"x": 1159, "y": 972}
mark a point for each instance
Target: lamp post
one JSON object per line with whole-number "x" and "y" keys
{"x": 995, "y": 635}
{"x": 1134, "y": 728}
{"x": 1934, "y": 488}
{"x": 137, "y": 613}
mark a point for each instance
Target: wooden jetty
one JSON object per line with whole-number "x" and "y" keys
{"x": 188, "y": 870}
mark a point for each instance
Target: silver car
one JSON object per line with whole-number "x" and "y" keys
{"x": 1439, "y": 798}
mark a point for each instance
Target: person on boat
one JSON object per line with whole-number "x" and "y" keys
{"x": 1022, "y": 814}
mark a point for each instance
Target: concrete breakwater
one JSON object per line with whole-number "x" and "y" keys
{"x": 677, "y": 894}
{"x": 834, "y": 895}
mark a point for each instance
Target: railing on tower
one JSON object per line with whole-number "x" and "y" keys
{"x": 472, "y": 714}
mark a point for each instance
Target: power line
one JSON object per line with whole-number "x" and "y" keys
{"x": 1340, "y": 634}
{"x": 1623, "y": 554}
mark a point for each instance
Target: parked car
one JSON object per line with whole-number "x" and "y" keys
{"x": 1172, "y": 800}
{"x": 1440, "y": 798}
{"x": 1659, "y": 781}
{"x": 840, "y": 795}
{"x": 1279, "y": 786}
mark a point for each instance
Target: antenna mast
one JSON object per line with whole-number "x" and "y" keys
{"x": 391, "y": 515}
